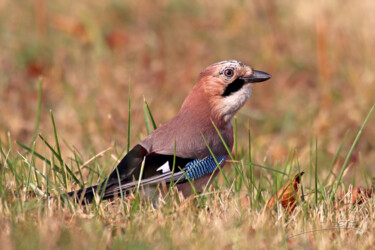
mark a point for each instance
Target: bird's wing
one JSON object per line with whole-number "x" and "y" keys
{"x": 157, "y": 168}
{"x": 184, "y": 134}
{"x": 154, "y": 165}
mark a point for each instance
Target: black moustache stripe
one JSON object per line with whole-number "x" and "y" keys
{"x": 233, "y": 87}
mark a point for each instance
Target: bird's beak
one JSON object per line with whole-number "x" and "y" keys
{"x": 257, "y": 76}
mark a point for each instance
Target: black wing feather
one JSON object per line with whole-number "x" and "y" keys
{"x": 129, "y": 169}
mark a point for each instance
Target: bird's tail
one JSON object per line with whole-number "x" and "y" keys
{"x": 82, "y": 196}
{"x": 88, "y": 194}
{"x": 104, "y": 190}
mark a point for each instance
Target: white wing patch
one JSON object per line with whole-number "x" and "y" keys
{"x": 164, "y": 168}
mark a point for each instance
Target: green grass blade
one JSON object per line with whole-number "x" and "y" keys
{"x": 29, "y": 175}
{"x": 172, "y": 183}
{"x": 102, "y": 187}
{"x": 10, "y": 165}
{"x": 350, "y": 153}
{"x": 231, "y": 156}
{"x": 265, "y": 167}
{"x": 62, "y": 162}
{"x": 38, "y": 155}
{"x": 259, "y": 197}
{"x": 338, "y": 151}
{"x": 191, "y": 183}
{"x": 235, "y": 138}
{"x": 78, "y": 162}
{"x": 38, "y": 109}
{"x": 316, "y": 171}
{"x": 36, "y": 170}
{"x": 121, "y": 193}
{"x": 150, "y": 115}
{"x": 51, "y": 164}
{"x": 147, "y": 119}
{"x": 129, "y": 120}
{"x": 217, "y": 164}
{"x": 141, "y": 173}
{"x": 250, "y": 149}
{"x": 56, "y": 138}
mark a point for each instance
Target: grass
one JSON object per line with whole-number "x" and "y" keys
{"x": 226, "y": 216}
{"x": 70, "y": 128}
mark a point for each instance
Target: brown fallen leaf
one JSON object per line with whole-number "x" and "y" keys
{"x": 287, "y": 195}
{"x": 358, "y": 195}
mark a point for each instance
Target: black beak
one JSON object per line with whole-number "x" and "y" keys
{"x": 257, "y": 76}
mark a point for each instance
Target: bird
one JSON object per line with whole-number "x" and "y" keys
{"x": 187, "y": 150}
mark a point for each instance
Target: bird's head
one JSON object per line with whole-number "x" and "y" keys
{"x": 228, "y": 85}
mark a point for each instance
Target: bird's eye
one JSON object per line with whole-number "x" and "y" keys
{"x": 229, "y": 72}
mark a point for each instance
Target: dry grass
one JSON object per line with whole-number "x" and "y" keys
{"x": 321, "y": 56}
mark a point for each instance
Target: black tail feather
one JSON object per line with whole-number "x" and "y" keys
{"x": 124, "y": 171}
{"x": 125, "y": 177}
{"x": 85, "y": 195}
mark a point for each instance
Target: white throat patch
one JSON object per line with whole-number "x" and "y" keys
{"x": 229, "y": 105}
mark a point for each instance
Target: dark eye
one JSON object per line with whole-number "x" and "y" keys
{"x": 229, "y": 72}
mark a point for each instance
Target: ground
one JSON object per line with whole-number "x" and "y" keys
{"x": 68, "y": 72}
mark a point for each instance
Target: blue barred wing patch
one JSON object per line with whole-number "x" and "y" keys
{"x": 200, "y": 167}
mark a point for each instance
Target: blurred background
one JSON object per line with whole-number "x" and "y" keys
{"x": 320, "y": 54}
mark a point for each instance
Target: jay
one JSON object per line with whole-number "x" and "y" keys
{"x": 176, "y": 153}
